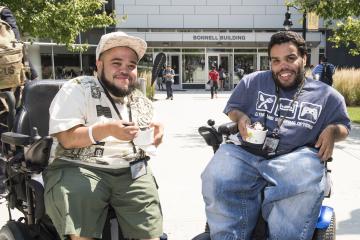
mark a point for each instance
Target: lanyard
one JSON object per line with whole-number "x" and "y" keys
{"x": 117, "y": 110}
{"x": 282, "y": 118}
{"x": 113, "y": 103}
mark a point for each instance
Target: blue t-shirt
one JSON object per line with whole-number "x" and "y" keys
{"x": 317, "y": 106}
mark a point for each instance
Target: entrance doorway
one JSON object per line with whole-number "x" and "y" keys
{"x": 221, "y": 61}
{"x": 174, "y": 61}
{"x": 263, "y": 62}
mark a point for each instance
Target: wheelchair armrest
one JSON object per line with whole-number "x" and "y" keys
{"x": 210, "y": 135}
{"x": 37, "y": 155}
{"x": 16, "y": 139}
{"x": 228, "y": 128}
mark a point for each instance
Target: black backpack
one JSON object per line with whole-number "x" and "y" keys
{"x": 327, "y": 74}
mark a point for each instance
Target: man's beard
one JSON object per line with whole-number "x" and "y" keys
{"x": 299, "y": 77}
{"x": 117, "y": 91}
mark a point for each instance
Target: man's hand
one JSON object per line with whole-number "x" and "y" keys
{"x": 326, "y": 142}
{"x": 158, "y": 133}
{"x": 243, "y": 122}
{"x": 123, "y": 130}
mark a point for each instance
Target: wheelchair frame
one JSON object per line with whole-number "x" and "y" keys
{"x": 25, "y": 157}
{"x": 214, "y": 137}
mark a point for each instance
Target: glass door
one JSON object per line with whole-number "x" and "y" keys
{"x": 226, "y": 63}
{"x": 174, "y": 62}
{"x": 263, "y": 62}
{"x": 213, "y": 60}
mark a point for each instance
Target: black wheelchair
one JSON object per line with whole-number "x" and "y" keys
{"x": 214, "y": 137}
{"x": 25, "y": 154}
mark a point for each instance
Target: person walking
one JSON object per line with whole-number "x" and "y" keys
{"x": 214, "y": 81}
{"x": 169, "y": 74}
{"x": 324, "y": 71}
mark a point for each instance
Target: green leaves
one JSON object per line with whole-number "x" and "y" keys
{"x": 59, "y": 20}
{"x": 344, "y": 13}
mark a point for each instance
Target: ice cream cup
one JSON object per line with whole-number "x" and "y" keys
{"x": 144, "y": 137}
{"x": 255, "y": 136}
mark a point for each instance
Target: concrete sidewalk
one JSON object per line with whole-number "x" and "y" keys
{"x": 184, "y": 154}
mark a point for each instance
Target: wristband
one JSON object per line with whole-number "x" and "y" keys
{"x": 90, "y": 132}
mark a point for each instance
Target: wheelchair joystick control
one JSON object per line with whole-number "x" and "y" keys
{"x": 211, "y": 122}
{"x": 35, "y": 134}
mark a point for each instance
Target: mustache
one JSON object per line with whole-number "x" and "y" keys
{"x": 116, "y": 75}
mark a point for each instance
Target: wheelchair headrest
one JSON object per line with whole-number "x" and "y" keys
{"x": 34, "y": 110}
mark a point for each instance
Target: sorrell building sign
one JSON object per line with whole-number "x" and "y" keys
{"x": 219, "y": 37}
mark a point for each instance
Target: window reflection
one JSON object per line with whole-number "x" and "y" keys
{"x": 193, "y": 68}
{"x": 243, "y": 64}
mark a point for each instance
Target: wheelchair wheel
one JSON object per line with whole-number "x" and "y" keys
{"x": 14, "y": 231}
{"x": 325, "y": 234}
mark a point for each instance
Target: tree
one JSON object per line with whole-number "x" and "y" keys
{"x": 342, "y": 16}
{"x": 59, "y": 20}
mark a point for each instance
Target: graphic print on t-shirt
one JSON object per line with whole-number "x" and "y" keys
{"x": 303, "y": 114}
{"x": 309, "y": 112}
{"x": 265, "y": 102}
{"x": 287, "y": 108}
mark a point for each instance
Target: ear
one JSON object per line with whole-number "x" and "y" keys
{"x": 304, "y": 60}
{"x": 99, "y": 64}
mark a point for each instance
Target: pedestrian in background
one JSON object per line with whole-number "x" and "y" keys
{"x": 222, "y": 77}
{"x": 324, "y": 71}
{"x": 169, "y": 74}
{"x": 214, "y": 81}
{"x": 160, "y": 79}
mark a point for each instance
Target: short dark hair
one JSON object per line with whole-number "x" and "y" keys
{"x": 323, "y": 59}
{"x": 288, "y": 36}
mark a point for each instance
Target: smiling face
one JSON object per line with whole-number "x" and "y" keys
{"x": 287, "y": 65}
{"x": 117, "y": 70}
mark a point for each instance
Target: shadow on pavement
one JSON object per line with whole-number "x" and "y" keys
{"x": 352, "y": 142}
{"x": 191, "y": 140}
{"x": 350, "y": 226}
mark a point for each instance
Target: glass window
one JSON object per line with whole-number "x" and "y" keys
{"x": 242, "y": 50}
{"x": 193, "y": 68}
{"x": 194, "y": 50}
{"x": 216, "y": 50}
{"x": 243, "y": 64}
{"x": 145, "y": 63}
{"x": 67, "y": 66}
{"x": 167, "y": 50}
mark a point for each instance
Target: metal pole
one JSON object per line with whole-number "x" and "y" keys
{"x": 142, "y": 83}
{"x": 304, "y": 25}
{"x": 53, "y": 61}
{"x": 81, "y": 62}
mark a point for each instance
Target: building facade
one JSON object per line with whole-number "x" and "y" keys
{"x": 194, "y": 35}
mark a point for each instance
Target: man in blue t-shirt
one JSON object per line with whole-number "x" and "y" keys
{"x": 303, "y": 119}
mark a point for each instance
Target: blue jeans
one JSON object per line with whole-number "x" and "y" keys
{"x": 293, "y": 187}
{"x": 169, "y": 90}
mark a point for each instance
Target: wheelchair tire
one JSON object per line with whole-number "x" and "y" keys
{"x": 325, "y": 234}
{"x": 14, "y": 231}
